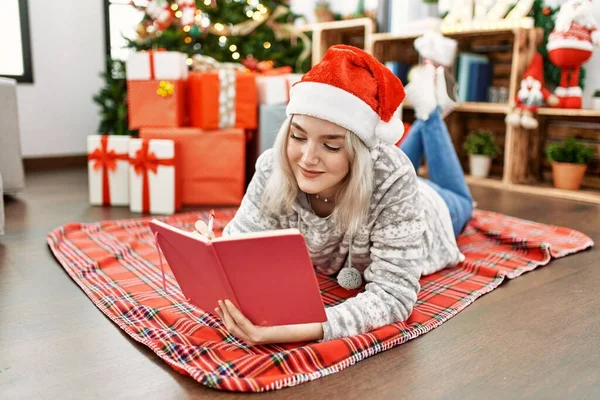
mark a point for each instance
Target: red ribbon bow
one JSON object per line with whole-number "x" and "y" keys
{"x": 143, "y": 162}
{"x": 107, "y": 160}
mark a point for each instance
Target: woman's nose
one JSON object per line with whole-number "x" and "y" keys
{"x": 309, "y": 156}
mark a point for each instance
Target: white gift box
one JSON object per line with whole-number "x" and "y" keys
{"x": 147, "y": 65}
{"x": 108, "y": 170}
{"x": 275, "y": 89}
{"x": 152, "y": 176}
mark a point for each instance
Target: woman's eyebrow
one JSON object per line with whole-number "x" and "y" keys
{"x": 327, "y": 137}
{"x": 333, "y": 137}
{"x": 295, "y": 125}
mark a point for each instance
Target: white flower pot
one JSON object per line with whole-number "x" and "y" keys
{"x": 596, "y": 103}
{"x": 479, "y": 165}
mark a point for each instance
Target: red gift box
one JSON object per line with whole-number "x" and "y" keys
{"x": 210, "y": 164}
{"x": 156, "y": 103}
{"x": 222, "y": 99}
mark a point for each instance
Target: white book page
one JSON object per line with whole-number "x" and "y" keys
{"x": 249, "y": 235}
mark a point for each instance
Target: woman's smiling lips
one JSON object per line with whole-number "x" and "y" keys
{"x": 308, "y": 173}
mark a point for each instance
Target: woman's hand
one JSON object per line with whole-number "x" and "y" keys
{"x": 253, "y": 335}
{"x": 239, "y": 325}
{"x": 201, "y": 229}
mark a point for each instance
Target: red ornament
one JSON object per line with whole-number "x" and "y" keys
{"x": 546, "y": 11}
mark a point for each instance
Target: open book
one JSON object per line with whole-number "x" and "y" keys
{"x": 268, "y": 275}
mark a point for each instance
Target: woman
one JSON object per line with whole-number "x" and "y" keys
{"x": 335, "y": 174}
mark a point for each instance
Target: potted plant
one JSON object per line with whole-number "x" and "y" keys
{"x": 482, "y": 148}
{"x": 596, "y": 100}
{"x": 569, "y": 161}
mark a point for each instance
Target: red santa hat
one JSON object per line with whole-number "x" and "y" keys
{"x": 350, "y": 88}
{"x": 536, "y": 69}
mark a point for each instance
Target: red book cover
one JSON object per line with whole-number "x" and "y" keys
{"x": 268, "y": 275}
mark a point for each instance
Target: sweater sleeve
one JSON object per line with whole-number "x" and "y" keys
{"x": 250, "y": 217}
{"x": 397, "y": 252}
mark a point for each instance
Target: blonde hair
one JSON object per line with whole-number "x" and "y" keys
{"x": 353, "y": 199}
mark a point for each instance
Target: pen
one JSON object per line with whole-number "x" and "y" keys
{"x": 211, "y": 220}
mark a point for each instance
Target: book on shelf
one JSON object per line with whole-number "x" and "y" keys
{"x": 465, "y": 60}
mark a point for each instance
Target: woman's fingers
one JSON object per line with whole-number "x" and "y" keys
{"x": 230, "y": 323}
{"x": 239, "y": 318}
{"x": 201, "y": 227}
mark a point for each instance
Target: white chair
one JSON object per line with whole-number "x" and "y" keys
{"x": 11, "y": 162}
{"x": 12, "y": 176}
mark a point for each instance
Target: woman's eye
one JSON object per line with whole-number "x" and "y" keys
{"x": 297, "y": 137}
{"x": 331, "y": 148}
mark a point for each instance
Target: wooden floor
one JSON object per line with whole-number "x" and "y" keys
{"x": 535, "y": 337}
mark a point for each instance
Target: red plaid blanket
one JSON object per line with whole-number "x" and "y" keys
{"x": 116, "y": 265}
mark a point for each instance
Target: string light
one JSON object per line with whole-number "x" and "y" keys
{"x": 174, "y": 7}
{"x": 188, "y": 40}
{"x": 222, "y": 39}
{"x": 189, "y": 61}
{"x": 186, "y": 28}
{"x": 235, "y": 56}
{"x": 256, "y": 16}
{"x": 267, "y": 45}
{"x": 207, "y": 2}
{"x": 233, "y": 47}
{"x": 250, "y": 13}
{"x": 219, "y": 26}
{"x": 178, "y": 14}
{"x": 198, "y": 17}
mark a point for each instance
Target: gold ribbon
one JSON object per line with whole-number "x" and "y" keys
{"x": 165, "y": 89}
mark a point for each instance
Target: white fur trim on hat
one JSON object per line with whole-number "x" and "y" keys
{"x": 434, "y": 46}
{"x": 336, "y": 105}
{"x": 391, "y": 132}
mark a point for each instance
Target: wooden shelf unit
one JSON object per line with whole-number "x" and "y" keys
{"x": 584, "y": 195}
{"x": 356, "y": 32}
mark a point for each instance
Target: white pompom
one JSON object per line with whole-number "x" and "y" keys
{"x": 349, "y": 278}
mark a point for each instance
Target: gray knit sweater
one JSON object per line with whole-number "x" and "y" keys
{"x": 407, "y": 233}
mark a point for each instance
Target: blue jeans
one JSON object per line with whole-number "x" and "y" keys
{"x": 431, "y": 139}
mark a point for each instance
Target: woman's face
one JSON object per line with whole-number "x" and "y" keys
{"x": 317, "y": 155}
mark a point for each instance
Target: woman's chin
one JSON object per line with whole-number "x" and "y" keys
{"x": 309, "y": 187}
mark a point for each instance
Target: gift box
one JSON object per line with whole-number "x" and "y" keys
{"x": 108, "y": 167}
{"x": 275, "y": 89}
{"x": 270, "y": 119}
{"x": 152, "y": 176}
{"x": 156, "y": 103}
{"x": 210, "y": 164}
{"x": 159, "y": 65}
{"x": 223, "y": 98}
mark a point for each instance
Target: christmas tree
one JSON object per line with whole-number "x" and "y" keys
{"x": 246, "y": 31}
{"x": 112, "y": 100}
{"x": 227, "y": 30}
